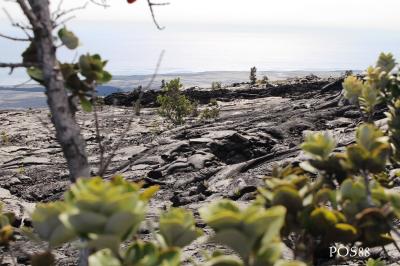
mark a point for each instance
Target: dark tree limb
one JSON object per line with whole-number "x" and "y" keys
{"x": 12, "y": 66}
{"x": 16, "y": 65}
{"x": 151, "y": 4}
{"x": 14, "y": 38}
{"x": 98, "y": 133}
{"x": 67, "y": 129}
{"x": 62, "y": 13}
{"x": 24, "y": 28}
{"x": 31, "y": 16}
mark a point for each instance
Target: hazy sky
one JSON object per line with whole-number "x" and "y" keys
{"x": 204, "y": 35}
{"x": 380, "y": 14}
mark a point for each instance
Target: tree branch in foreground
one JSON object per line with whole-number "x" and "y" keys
{"x": 151, "y": 4}
{"x": 15, "y": 38}
{"x": 103, "y": 168}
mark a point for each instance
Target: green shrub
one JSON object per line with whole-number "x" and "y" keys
{"x": 173, "y": 104}
{"x": 211, "y": 112}
{"x": 216, "y": 85}
{"x": 195, "y": 109}
{"x": 349, "y": 201}
{"x": 253, "y": 76}
{"x": 264, "y": 80}
{"x": 104, "y": 214}
{"x": 5, "y": 139}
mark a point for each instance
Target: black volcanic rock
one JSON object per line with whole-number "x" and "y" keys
{"x": 292, "y": 88}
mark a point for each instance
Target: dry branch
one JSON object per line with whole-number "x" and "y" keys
{"x": 14, "y": 38}
{"x": 151, "y": 4}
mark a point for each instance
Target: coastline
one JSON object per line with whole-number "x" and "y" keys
{"x": 32, "y": 95}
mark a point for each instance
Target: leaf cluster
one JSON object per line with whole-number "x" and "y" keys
{"x": 80, "y": 78}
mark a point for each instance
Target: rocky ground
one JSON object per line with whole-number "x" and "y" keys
{"x": 202, "y": 161}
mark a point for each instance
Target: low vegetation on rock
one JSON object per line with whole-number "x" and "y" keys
{"x": 253, "y": 75}
{"x": 216, "y": 85}
{"x": 211, "y": 111}
{"x": 173, "y": 104}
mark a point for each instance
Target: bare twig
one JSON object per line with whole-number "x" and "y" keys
{"x": 22, "y": 84}
{"x": 103, "y": 3}
{"x": 104, "y": 168}
{"x": 14, "y": 38}
{"x": 98, "y": 134}
{"x": 64, "y": 21}
{"x": 59, "y": 5}
{"x": 59, "y": 13}
{"x": 15, "y": 65}
{"x": 365, "y": 175}
{"x": 151, "y": 4}
{"x": 24, "y": 28}
{"x": 29, "y": 13}
{"x": 12, "y": 66}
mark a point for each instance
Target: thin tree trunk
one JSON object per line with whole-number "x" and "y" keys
{"x": 67, "y": 129}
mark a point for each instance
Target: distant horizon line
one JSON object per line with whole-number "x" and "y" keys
{"x": 194, "y": 73}
{"x": 185, "y": 72}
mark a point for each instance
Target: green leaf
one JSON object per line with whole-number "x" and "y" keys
{"x": 68, "y": 38}
{"x": 322, "y": 221}
{"x": 352, "y": 88}
{"x": 344, "y": 233}
{"x": 170, "y": 257}
{"x": 84, "y": 222}
{"x": 86, "y": 104}
{"x": 354, "y": 191}
{"x": 290, "y": 263}
{"x": 371, "y": 151}
{"x": 377, "y": 262}
{"x": 142, "y": 253}
{"x": 121, "y": 223}
{"x": 221, "y": 214}
{"x": 267, "y": 223}
{"x": 319, "y": 145}
{"x": 103, "y": 258}
{"x": 48, "y": 225}
{"x": 149, "y": 192}
{"x": 61, "y": 235}
{"x": 386, "y": 62}
{"x": 269, "y": 253}
{"x": 105, "y": 78}
{"x": 111, "y": 242}
{"x": 177, "y": 226}
{"x": 92, "y": 67}
{"x": 395, "y": 200}
{"x": 369, "y": 98}
{"x": 288, "y": 197}
{"x": 235, "y": 240}
{"x": 223, "y": 260}
{"x": 35, "y": 74}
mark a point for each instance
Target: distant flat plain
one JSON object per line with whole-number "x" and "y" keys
{"x": 32, "y": 96}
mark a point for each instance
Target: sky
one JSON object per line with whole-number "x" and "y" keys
{"x": 219, "y": 35}
{"x": 377, "y": 14}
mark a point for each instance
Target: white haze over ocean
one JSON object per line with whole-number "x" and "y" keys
{"x": 228, "y": 35}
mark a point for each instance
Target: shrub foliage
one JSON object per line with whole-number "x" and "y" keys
{"x": 173, "y": 104}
